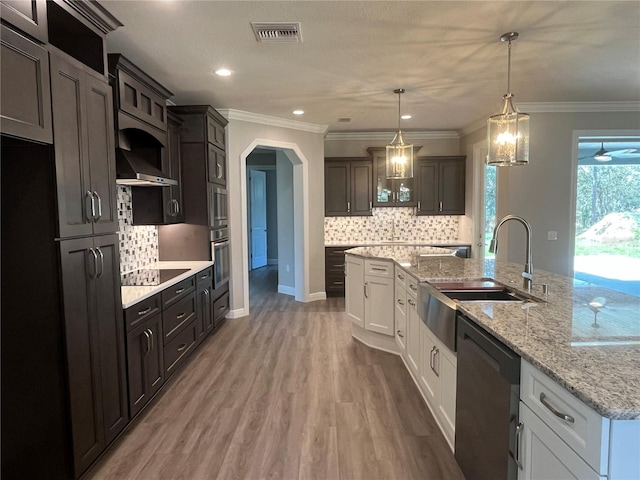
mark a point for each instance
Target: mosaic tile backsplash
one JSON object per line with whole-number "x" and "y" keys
{"x": 390, "y": 223}
{"x": 138, "y": 244}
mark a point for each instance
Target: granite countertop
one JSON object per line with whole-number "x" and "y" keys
{"x": 599, "y": 365}
{"x": 133, "y": 295}
{"x": 394, "y": 243}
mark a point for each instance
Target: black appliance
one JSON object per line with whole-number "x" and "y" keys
{"x": 487, "y": 397}
{"x": 150, "y": 276}
{"x": 220, "y": 256}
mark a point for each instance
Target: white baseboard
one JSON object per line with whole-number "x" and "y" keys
{"x": 379, "y": 341}
{"x": 237, "y": 313}
{"x": 286, "y": 290}
{"x": 314, "y": 297}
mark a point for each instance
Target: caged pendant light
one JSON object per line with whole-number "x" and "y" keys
{"x": 508, "y": 131}
{"x": 399, "y": 154}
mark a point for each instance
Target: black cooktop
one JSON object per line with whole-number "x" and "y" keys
{"x": 150, "y": 276}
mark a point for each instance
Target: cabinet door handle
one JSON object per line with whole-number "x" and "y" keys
{"x": 171, "y": 206}
{"x": 411, "y": 302}
{"x": 413, "y": 287}
{"x": 95, "y": 264}
{"x": 366, "y": 294}
{"x": 222, "y": 307}
{"x": 519, "y": 429}
{"x": 441, "y": 206}
{"x": 145, "y": 311}
{"x": 436, "y": 362}
{"x": 400, "y": 276}
{"x": 348, "y": 207}
{"x": 180, "y": 315}
{"x": 99, "y": 215}
{"x": 400, "y": 302}
{"x": 431, "y": 358}
{"x": 218, "y": 170}
{"x": 146, "y": 334}
{"x": 152, "y": 342}
{"x": 371, "y": 206}
{"x": 400, "y": 334}
{"x": 419, "y": 205}
{"x": 378, "y": 269}
{"x": 180, "y": 290}
{"x": 177, "y": 204}
{"x": 101, "y": 255}
{"x": 206, "y": 292}
{"x": 182, "y": 347}
{"x": 92, "y": 208}
{"x": 552, "y": 409}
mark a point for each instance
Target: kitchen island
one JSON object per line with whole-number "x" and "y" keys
{"x": 579, "y": 344}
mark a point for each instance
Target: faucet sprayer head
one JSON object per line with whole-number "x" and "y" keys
{"x": 493, "y": 246}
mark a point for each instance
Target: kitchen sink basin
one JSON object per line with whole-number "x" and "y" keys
{"x": 503, "y": 295}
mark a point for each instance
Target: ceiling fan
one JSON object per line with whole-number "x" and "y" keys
{"x": 604, "y": 155}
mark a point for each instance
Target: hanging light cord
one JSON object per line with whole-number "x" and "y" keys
{"x": 399, "y": 93}
{"x": 509, "y": 70}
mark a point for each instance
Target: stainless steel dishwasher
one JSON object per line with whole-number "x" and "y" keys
{"x": 488, "y": 390}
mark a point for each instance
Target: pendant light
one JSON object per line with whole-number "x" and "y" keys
{"x": 399, "y": 154}
{"x": 602, "y": 155}
{"x": 508, "y": 131}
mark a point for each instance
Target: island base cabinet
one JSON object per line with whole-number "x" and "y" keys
{"x": 413, "y": 336}
{"x": 354, "y": 291}
{"x": 542, "y": 455}
{"x": 145, "y": 363}
{"x": 378, "y": 304}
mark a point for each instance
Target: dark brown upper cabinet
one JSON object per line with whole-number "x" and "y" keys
{"x": 390, "y": 192}
{"x": 29, "y": 16}
{"x": 140, "y": 100}
{"x": 203, "y": 125}
{"x": 441, "y": 185}
{"x": 25, "y": 98}
{"x": 348, "y": 186}
{"x": 172, "y": 166}
{"x": 84, "y": 149}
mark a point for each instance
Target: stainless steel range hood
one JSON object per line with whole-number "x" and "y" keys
{"x": 131, "y": 169}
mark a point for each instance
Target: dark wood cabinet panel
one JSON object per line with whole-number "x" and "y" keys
{"x": 204, "y": 313}
{"x": 441, "y": 185}
{"x": 173, "y": 204}
{"x": 25, "y": 96}
{"x": 84, "y": 150}
{"x": 390, "y": 192}
{"x": 177, "y": 316}
{"x": 348, "y": 186}
{"x": 334, "y": 271}
{"x": 94, "y": 344}
{"x": 178, "y": 349}
{"x": 145, "y": 362}
{"x": 216, "y": 165}
{"x": 215, "y": 132}
{"x": 337, "y": 186}
{"x": 29, "y": 16}
{"x": 101, "y": 151}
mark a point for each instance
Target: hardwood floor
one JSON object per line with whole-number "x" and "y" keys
{"x": 285, "y": 393}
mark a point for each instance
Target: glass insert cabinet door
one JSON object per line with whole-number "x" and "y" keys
{"x": 390, "y": 192}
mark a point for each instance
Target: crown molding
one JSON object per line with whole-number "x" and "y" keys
{"x": 418, "y": 135}
{"x": 232, "y": 114}
{"x": 577, "y": 107}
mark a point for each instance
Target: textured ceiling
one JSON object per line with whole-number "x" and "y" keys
{"x": 447, "y": 55}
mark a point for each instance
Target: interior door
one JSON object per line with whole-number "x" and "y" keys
{"x": 258, "y": 192}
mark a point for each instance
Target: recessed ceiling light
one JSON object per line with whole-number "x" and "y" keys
{"x": 223, "y": 72}
{"x": 405, "y": 117}
{"x": 298, "y": 112}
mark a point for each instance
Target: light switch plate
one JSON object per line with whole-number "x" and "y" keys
{"x": 552, "y": 235}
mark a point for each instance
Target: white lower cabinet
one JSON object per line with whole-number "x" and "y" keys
{"x": 544, "y": 456}
{"x": 369, "y": 294}
{"x": 354, "y": 289}
{"x": 413, "y": 335}
{"x": 400, "y": 314}
{"x": 438, "y": 370}
{"x": 563, "y": 438}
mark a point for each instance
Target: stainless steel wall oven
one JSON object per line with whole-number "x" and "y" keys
{"x": 220, "y": 256}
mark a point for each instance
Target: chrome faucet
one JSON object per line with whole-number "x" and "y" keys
{"x": 528, "y": 266}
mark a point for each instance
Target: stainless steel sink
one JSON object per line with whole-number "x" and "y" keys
{"x": 503, "y": 295}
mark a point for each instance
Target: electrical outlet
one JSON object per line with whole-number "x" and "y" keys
{"x": 552, "y": 235}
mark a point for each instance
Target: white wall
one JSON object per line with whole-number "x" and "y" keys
{"x": 542, "y": 192}
{"x": 242, "y": 133}
{"x": 286, "y": 247}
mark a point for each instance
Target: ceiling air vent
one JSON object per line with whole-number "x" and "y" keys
{"x": 344, "y": 119}
{"x": 277, "y": 32}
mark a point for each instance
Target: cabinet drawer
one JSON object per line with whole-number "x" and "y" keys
{"x": 139, "y": 312}
{"x": 378, "y": 268}
{"x": 176, "y": 351}
{"x": 175, "y": 317}
{"x": 141, "y": 102}
{"x": 205, "y": 276}
{"x": 220, "y": 307}
{"x": 172, "y": 294}
{"x": 585, "y": 434}
{"x": 401, "y": 277}
{"x": 412, "y": 286}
